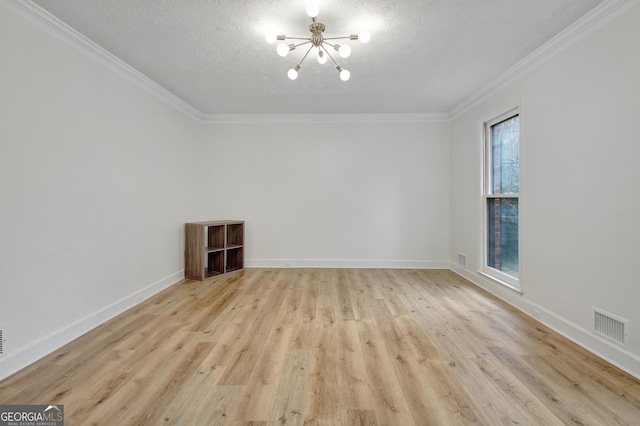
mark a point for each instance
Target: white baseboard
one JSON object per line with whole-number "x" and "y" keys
{"x": 32, "y": 352}
{"x": 620, "y": 357}
{"x": 347, "y": 263}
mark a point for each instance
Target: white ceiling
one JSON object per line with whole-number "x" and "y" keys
{"x": 423, "y": 57}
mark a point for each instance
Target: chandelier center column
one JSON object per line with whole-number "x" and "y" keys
{"x": 316, "y": 28}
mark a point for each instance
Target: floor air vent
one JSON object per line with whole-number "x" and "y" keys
{"x": 610, "y": 327}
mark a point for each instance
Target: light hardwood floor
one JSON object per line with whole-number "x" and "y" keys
{"x": 327, "y": 347}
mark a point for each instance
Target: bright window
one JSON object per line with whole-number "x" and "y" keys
{"x": 501, "y": 199}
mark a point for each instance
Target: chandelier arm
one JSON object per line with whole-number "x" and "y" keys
{"x": 338, "y": 38}
{"x": 329, "y": 54}
{"x": 305, "y": 56}
{"x": 302, "y": 44}
{"x": 296, "y": 38}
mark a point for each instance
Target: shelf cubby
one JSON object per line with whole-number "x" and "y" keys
{"x": 215, "y": 263}
{"x": 235, "y": 235}
{"x": 215, "y": 238}
{"x": 235, "y": 259}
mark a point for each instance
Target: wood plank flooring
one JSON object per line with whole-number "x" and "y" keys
{"x": 327, "y": 347}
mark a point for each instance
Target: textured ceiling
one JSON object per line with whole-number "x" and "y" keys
{"x": 423, "y": 57}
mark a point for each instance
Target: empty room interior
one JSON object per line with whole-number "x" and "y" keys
{"x": 381, "y": 213}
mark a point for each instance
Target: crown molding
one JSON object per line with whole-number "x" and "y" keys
{"x": 583, "y": 27}
{"x": 324, "y": 118}
{"x": 73, "y": 38}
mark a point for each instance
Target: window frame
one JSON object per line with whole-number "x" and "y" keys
{"x": 510, "y": 281}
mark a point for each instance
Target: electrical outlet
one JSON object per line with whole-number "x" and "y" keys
{"x": 287, "y": 264}
{"x": 139, "y": 298}
{"x": 537, "y": 314}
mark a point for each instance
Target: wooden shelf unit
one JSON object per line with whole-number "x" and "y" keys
{"x": 213, "y": 248}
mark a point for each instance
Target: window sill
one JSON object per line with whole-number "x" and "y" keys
{"x": 512, "y": 287}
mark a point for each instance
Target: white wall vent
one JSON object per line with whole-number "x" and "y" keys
{"x": 462, "y": 260}
{"x": 1, "y": 342}
{"x": 611, "y": 327}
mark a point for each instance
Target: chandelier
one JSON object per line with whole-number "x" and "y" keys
{"x": 319, "y": 42}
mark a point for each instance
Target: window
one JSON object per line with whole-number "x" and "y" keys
{"x": 501, "y": 199}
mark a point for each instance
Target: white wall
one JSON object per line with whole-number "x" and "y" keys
{"x": 333, "y": 194}
{"x": 580, "y": 204}
{"x": 96, "y": 182}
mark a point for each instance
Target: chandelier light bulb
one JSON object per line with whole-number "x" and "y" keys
{"x": 344, "y": 51}
{"x": 292, "y": 74}
{"x": 313, "y": 8}
{"x": 345, "y": 75}
{"x": 364, "y": 37}
{"x": 271, "y": 37}
{"x": 282, "y": 49}
{"x": 322, "y": 58}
